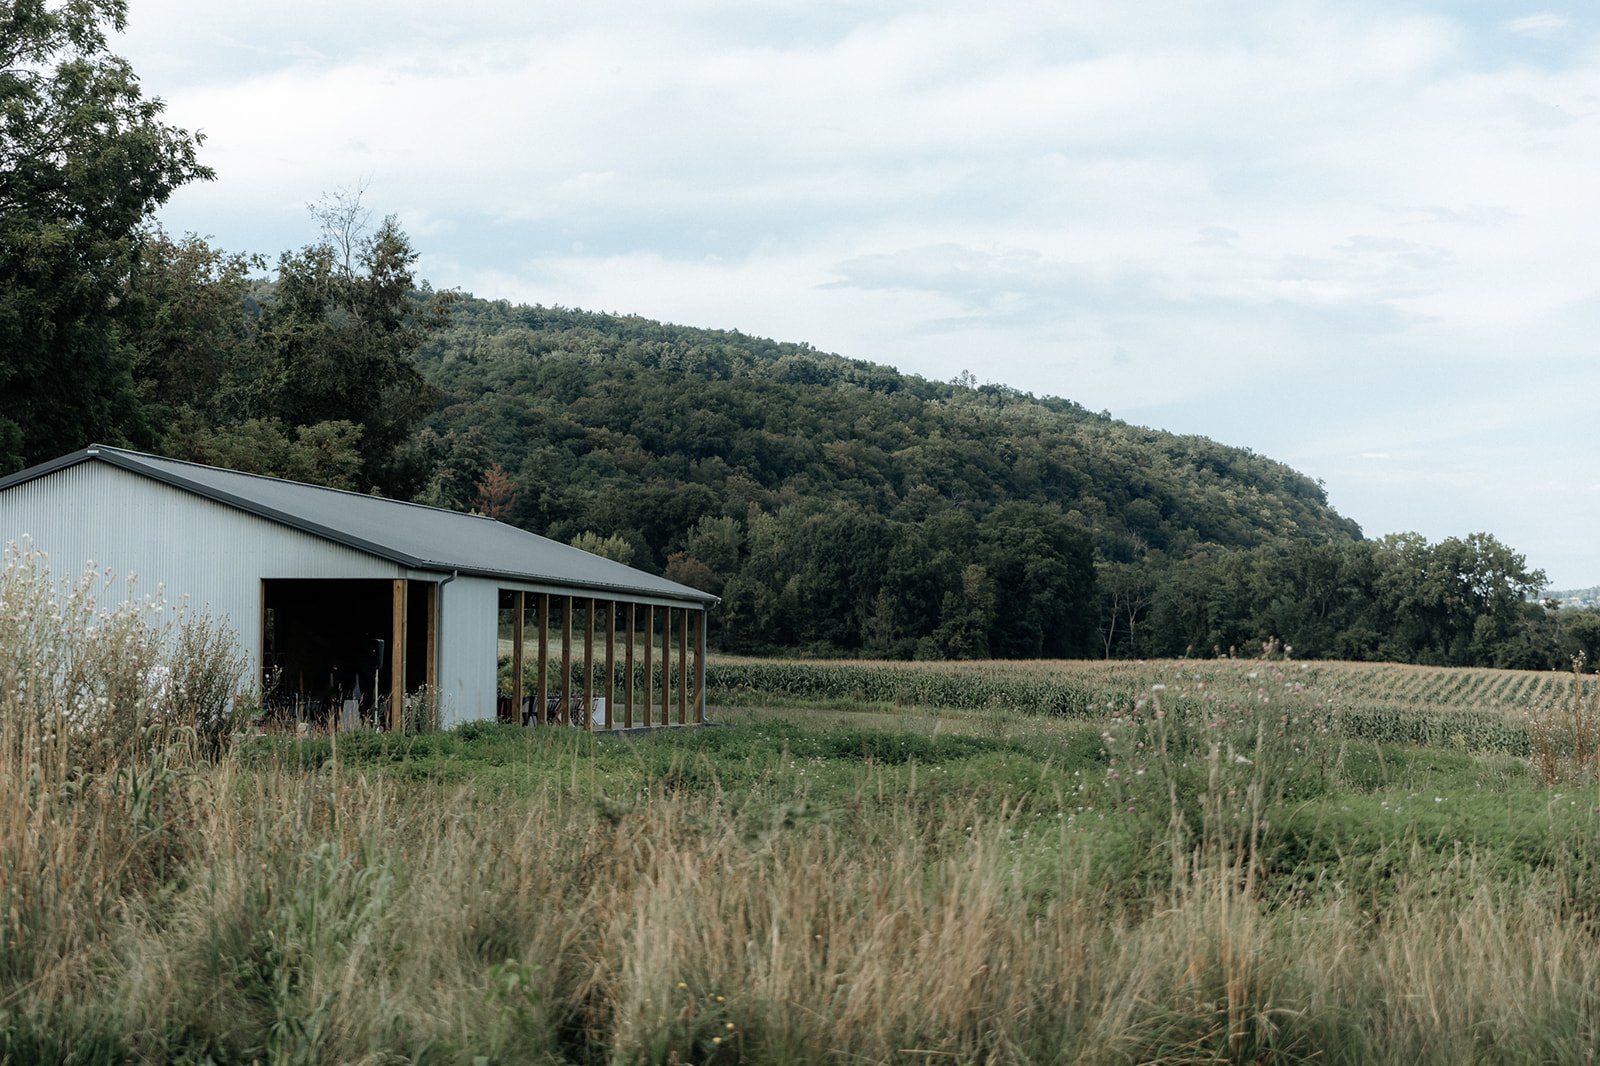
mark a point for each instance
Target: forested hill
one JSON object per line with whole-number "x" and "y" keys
{"x": 835, "y": 504}
{"x": 621, "y": 424}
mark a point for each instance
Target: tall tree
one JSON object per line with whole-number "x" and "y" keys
{"x": 84, "y": 161}
{"x": 342, "y": 326}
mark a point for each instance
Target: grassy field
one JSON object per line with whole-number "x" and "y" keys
{"x": 866, "y": 862}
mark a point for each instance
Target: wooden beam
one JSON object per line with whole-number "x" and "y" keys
{"x": 627, "y": 668}
{"x": 666, "y": 667}
{"x": 397, "y": 655}
{"x": 683, "y": 666}
{"x": 588, "y": 666}
{"x": 700, "y": 667}
{"x": 519, "y": 604}
{"x": 432, "y": 667}
{"x": 649, "y": 679}
{"x": 611, "y": 664}
{"x": 262, "y": 662}
{"x": 544, "y": 657}
{"x": 566, "y": 659}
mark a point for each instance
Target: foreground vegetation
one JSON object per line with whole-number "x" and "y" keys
{"x": 1212, "y": 867}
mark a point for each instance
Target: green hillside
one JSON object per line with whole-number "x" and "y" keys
{"x": 621, "y": 424}
{"x": 835, "y": 504}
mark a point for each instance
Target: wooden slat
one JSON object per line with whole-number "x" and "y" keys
{"x": 649, "y": 680}
{"x": 397, "y": 654}
{"x": 683, "y": 666}
{"x": 588, "y": 666}
{"x": 566, "y": 659}
{"x": 700, "y": 667}
{"x": 611, "y": 664}
{"x": 542, "y": 710}
{"x": 666, "y": 667}
{"x": 262, "y": 662}
{"x": 627, "y": 668}
{"x": 432, "y": 668}
{"x": 519, "y": 605}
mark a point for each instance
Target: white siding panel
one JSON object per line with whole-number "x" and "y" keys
{"x": 469, "y": 652}
{"x": 183, "y": 545}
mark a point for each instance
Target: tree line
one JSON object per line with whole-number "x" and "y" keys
{"x": 837, "y": 506}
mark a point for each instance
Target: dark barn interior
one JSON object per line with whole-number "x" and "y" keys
{"x": 327, "y": 641}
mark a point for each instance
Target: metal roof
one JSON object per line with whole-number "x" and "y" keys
{"x": 410, "y": 534}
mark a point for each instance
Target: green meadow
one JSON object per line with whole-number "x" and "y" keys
{"x": 1174, "y": 861}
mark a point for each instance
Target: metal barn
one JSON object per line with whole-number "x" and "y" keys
{"x": 342, "y": 599}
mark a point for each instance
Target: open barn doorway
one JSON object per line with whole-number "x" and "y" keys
{"x": 329, "y": 653}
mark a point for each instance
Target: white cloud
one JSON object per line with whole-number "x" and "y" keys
{"x": 1543, "y": 24}
{"x": 1292, "y": 228}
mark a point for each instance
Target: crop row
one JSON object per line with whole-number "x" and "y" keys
{"x": 1484, "y": 710}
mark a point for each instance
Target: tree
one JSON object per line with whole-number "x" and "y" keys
{"x": 192, "y": 332}
{"x": 497, "y": 494}
{"x": 614, "y": 547}
{"x": 342, "y": 326}
{"x": 1042, "y": 569}
{"x": 84, "y": 161}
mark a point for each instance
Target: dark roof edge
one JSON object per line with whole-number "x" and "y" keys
{"x": 699, "y": 596}
{"x": 34, "y": 472}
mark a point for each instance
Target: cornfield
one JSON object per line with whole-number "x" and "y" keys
{"x": 1471, "y": 709}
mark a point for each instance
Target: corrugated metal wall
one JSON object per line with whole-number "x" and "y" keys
{"x": 194, "y": 549}
{"x": 469, "y": 650}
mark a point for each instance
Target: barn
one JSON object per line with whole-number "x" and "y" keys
{"x": 340, "y": 600}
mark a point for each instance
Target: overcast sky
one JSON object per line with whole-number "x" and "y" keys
{"x": 1359, "y": 237}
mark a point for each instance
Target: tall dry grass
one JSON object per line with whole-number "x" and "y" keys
{"x": 162, "y": 900}
{"x": 315, "y": 919}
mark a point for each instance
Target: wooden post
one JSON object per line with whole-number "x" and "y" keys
{"x": 700, "y": 667}
{"x": 588, "y": 666}
{"x": 611, "y": 663}
{"x": 544, "y": 658}
{"x": 649, "y": 681}
{"x": 519, "y": 604}
{"x": 397, "y": 656}
{"x": 666, "y": 667}
{"x": 262, "y": 662}
{"x": 683, "y": 667}
{"x": 566, "y": 659}
{"x": 432, "y": 668}
{"x": 627, "y": 670}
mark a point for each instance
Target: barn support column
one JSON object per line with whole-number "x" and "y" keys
{"x": 566, "y": 659}
{"x": 541, "y": 712}
{"x": 431, "y": 672}
{"x": 683, "y": 666}
{"x": 519, "y": 604}
{"x": 649, "y": 678}
{"x": 627, "y": 668}
{"x": 700, "y": 667}
{"x": 666, "y": 667}
{"x": 588, "y": 666}
{"x": 611, "y": 664}
{"x": 397, "y": 656}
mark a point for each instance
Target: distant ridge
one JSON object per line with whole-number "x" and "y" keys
{"x": 588, "y": 410}
{"x": 1589, "y": 597}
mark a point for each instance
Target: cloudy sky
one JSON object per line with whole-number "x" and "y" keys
{"x": 1359, "y": 237}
